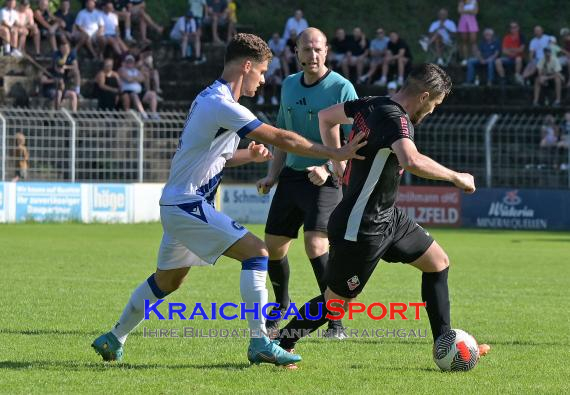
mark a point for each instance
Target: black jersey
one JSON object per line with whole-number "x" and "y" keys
{"x": 371, "y": 185}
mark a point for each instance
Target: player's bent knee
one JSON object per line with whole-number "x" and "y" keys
{"x": 170, "y": 280}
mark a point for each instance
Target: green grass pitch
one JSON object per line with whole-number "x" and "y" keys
{"x": 64, "y": 284}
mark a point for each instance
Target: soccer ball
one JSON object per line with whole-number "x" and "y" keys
{"x": 456, "y": 350}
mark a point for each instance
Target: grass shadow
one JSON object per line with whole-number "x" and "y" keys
{"x": 102, "y": 366}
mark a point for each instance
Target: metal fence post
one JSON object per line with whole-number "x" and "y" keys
{"x": 141, "y": 143}
{"x": 488, "y": 149}
{"x": 3, "y": 146}
{"x": 72, "y": 143}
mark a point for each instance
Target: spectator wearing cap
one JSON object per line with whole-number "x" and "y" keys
{"x": 297, "y": 23}
{"x": 131, "y": 82}
{"x": 549, "y": 71}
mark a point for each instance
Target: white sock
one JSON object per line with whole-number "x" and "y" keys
{"x": 128, "y": 33}
{"x": 7, "y": 48}
{"x": 133, "y": 313}
{"x": 252, "y": 288}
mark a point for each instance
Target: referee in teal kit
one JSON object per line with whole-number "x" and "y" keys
{"x": 307, "y": 192}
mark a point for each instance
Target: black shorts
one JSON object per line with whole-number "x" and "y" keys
{"x": 352, "y": 263}
{"x": 297, "y": 201}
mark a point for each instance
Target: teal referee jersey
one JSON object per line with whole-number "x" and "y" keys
{"x": 300, "y": 106}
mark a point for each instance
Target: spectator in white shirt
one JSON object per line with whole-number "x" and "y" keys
{"x": 278, "y": 48}
{"x": 297, "y": 23}
{"x": 88, "y": 29}
{"x": 10, "y": 30}
{"x": 111, "y": 33}
{"x": 441, "y": 40}
{"x": 536, "y": 51}
{"x": 549, "y": 70}
{"x": 185, "y": 31}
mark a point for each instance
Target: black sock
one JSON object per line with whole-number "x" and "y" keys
{"x": 436, "y": 295}
{"x": 296, "y": 329}
{"x": 279, "y": 276}
{"x": 319, "y": 268}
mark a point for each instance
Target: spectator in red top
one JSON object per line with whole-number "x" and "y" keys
{"x": 564, "y": 55}
{"x": 513, "y": 50}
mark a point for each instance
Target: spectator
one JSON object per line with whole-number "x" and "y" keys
{"x": 108, "y": 87}
{"x": 392, "y": 88}
{"x": 131, "y": 80}
{"x": 273, "y": 81}
{"x": 549, "y": 70}
{"x": 49, "y": 25}
{"x": 488, "y": 52}
{"x": 377, "y": 51}
{"x": 184, "y": 32}
{"x": 513, "y": 47}
{"x": 27, "y": 23}
{"x": 88, "y": 29}
{"x": 468, "y": 27}
{"x": 66, "y": 19}
{"x": 565, "y": 133}
{"x": 232, "y": 19}
{"x": 549, "y": 132}
{"x": 297, "y": 23}
{"x": 199, "y": 8}
{"x": 54, "y": 88}
{"x": 124, "y": 14}
{"x": 398, "y": 54}
{"x": 150, "y": 73}
{"x": 137, "y": 8}
{"x": 111, "y": 33}
{"x": 536, "y": 51}
{"x": 217, "y": 15}
{"x": 65, "y": 59}
{"x": 441, "y": 40}
{"x": 564, "y": 55}
{"x": 290, "y": 45}
{"x": 339, "y": 46}
{"x": 22, "y": 156}
{"x": 278, "y": 46}
{"x": 357, "y": 54}
{"x": 10, "y": 31}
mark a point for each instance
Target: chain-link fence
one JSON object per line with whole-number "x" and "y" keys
{"x": 500, "y": 150}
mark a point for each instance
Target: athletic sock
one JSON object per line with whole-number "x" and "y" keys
{"x": 296, "y": 329}
{"x": 279, "y": 276}
{"x": 319, "y": 265}
{"x": 435, "y": 294}
{"x": 133, "y": 313}
{"x": 252, "y": 287}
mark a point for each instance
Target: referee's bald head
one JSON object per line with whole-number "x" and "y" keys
{"x": 309, "y": 34}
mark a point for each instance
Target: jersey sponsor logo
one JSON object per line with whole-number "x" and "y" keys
{"x": 353, "y": 283}
{"x": 194, "y": 209}
{"x": 404, "y": 125}
{"x": 302, "y": 102}
{"x": 360, "y": 124}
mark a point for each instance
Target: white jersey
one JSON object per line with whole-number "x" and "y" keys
{"x": 211, "y": 135}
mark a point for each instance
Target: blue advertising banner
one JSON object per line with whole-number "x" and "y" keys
{"x": 109, "y": 202}
{"x": 39, "y": 201}
{"x": 502, "y": 208}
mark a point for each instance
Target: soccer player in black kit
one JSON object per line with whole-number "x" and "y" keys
{"x": 366, "y": 227}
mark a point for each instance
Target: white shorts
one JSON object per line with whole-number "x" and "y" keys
{"x": 195, "y": 234}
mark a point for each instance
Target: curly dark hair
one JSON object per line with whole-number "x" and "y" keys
{"x": 245, "y": 45}
{"x": 428, "y": 77}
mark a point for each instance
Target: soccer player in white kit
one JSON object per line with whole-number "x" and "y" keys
{"x": 194, "y": 232}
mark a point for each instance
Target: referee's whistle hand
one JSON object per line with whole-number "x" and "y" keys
{"x": 349, "y": 151}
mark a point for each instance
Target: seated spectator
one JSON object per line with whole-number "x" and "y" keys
{"x": 10, "y": 31}
{"x": 565, "y": 133}
{"x": 123, "y": 12}
{"x": 22, "y": 156}
{"x": 564, "y": 55}
{"x": 296, "y": 22}
{"x": 54, "y": 88}
{"x": 26, "y": 21}
{"x": 339, "y": 46}
{"x": 66, "y": 19}
{"x": 88, "y": 29}
{"x": 549, "y": 70}
{"x": 398, "y": 54}
{"x": 273, "y": 81}
{"x": 151, "y": 75}
{"x": 549, "y": 132}
{"x": 377, "y": 51}
{"x": 131, "y": 80}
{"x": 184, "y": 32}
{"x": 290, "y": 55}
{"x": 111, "y": 33}
{"x": 441, "y": 42}
{"x": 232, "y": 19}
{"x": 357, "y": 54}
{"x": 278, "y": 46}
{"x": 488, "y": 51}
{"x": 536, "y": 51}
{"x": 137, "y": 8}
{"x": 108, "y": 88}
{"x": 512, "y": 48}
{"x": 217, "y": 15}
{"x": 199, "y": 8}
{"x": 65, "y": 59}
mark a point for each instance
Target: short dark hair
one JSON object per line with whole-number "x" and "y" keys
{"x": 245, "y": 45}
{"x": 428, "y": 77}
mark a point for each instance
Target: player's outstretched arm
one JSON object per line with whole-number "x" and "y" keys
{"x": 295, "y": 143}
{"x": 330, "y": 120}
{"x": 423, "y": 166}
{"x": 253, "y": 153}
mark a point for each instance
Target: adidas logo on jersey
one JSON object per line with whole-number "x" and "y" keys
{"x": 302, "y": 102}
